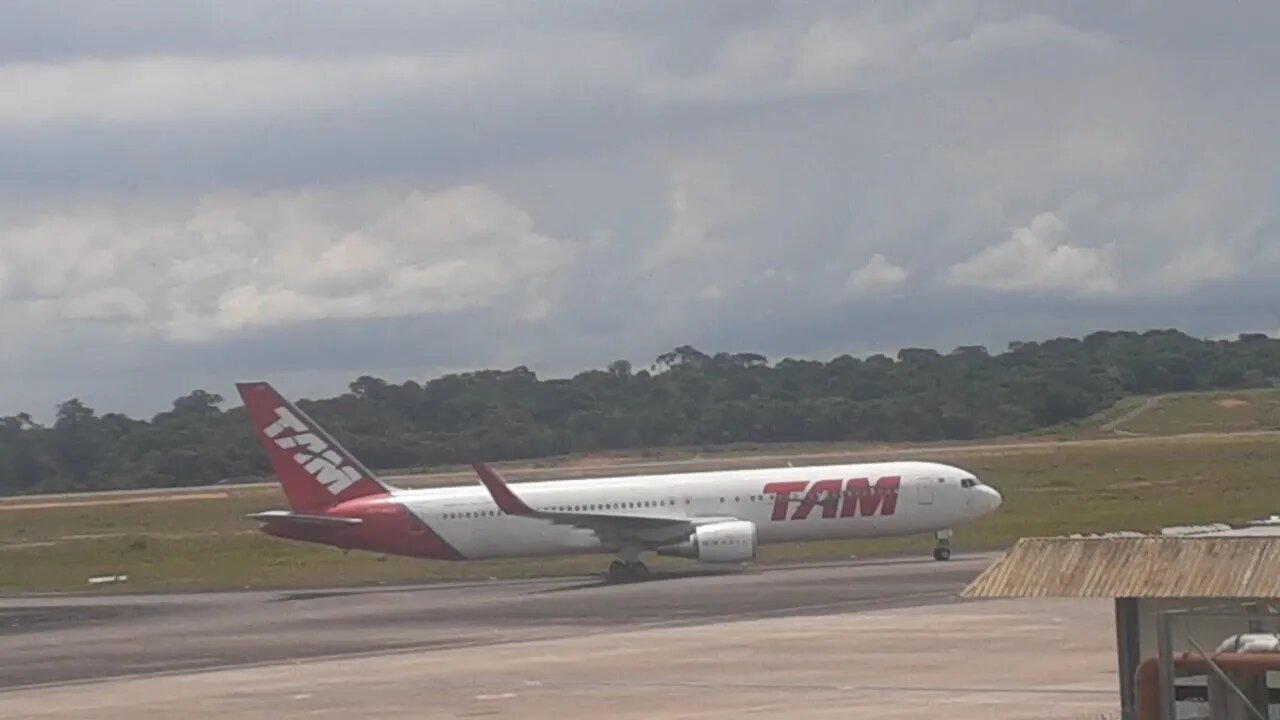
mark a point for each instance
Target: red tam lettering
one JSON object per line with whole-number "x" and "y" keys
{"x": 782, "y": 496}
{"x": 831, "y": 487}
{"x": 859, "y": 494}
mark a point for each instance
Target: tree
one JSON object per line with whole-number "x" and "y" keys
{"x": 198, "y": 402}
{"x": 75, "y": 440}
{"x": 620, "y": 368}
{"x": 721, "y": 397}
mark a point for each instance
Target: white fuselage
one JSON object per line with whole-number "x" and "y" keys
{"x": 791, "y": 504}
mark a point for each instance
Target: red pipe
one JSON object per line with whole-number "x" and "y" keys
{"x": 1147, "y": 678}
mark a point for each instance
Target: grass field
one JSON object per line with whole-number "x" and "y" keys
{"x": 204, "y": 542}
{"x": 1245, "y": 411}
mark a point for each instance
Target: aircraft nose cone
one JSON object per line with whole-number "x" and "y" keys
{"x": 991, "y": 498}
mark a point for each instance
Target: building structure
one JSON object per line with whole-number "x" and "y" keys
{"x": 1197, "y": 611}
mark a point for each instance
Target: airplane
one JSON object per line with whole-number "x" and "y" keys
{"x": 713, "y": 517}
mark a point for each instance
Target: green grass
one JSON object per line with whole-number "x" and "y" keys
{"x": 1243, "y": 411}
{"x": 171, "y": 516}
{"x": 1098, "y": 425}
{"x": 1049, "y": 489}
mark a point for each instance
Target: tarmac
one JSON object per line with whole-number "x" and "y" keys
{"x": 860, "y": 639}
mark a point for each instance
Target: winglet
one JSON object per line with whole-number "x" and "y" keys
{"x": 506, "y": 500}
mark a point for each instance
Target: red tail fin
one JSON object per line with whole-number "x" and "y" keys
{"x": 314, "y": 471}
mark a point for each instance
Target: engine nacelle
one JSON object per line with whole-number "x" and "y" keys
{"x": 732, "y": 541}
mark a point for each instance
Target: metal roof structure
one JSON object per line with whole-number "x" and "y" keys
{"x": 1218, "y": 565}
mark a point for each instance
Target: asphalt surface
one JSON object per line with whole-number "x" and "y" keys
{"x": 74, "y": 639}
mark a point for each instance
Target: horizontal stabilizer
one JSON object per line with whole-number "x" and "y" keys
{"x": 286, "y": 516}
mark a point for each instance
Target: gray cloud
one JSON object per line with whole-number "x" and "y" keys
{"x": 309, "y": 192}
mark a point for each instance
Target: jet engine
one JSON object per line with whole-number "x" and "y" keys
{"x": 732, "y": 541}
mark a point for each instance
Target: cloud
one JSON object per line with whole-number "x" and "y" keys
{"x": 235, "y": 261}
{"x": 1039, "y": 258}
{"x": 708, "y": 201}
{"x": 1198, "y": 265}
{"x": 158, "y": 89}
{"x": 878, "y": 275}
{"x": 200, "y": 193}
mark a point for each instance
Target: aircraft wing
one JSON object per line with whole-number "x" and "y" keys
{"x": 613, "y": 525}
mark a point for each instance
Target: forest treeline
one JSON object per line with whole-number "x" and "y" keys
{"x": 686, "y": 398}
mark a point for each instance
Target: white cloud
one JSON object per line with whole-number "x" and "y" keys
{"x": 708, "y": 200}
{"x": 712, "y": 292}
{"x": 1194, "y": 266}
{"x": 110, "y": 304}
{"x": 1039, "y": 258}
{"x": 804, "y": 56}
{"x": 878, "y": 275}
{"x": 1032, "y": 34}
{"x": 240, "y": 261}
{"x": 171, "y": 88}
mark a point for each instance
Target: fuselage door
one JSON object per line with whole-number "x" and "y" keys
{"x": 924, "y": 491}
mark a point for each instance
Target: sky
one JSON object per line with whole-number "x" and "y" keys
{"x": 307, "y": 192}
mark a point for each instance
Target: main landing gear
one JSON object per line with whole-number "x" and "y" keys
{"x": 942, "y": 545}
{"x": 628, "y": 568}
{"x": 633, "y": 571}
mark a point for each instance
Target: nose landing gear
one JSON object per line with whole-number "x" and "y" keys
{"x": 942, "y": 545}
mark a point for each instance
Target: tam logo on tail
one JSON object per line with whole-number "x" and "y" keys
{"x": 315, "y": 456}
{"x": 314, "y": 470}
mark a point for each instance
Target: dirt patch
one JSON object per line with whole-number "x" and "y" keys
{"x": 1232, "y": 403}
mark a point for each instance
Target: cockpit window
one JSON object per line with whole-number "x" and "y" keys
{"x": 968, "y": 482}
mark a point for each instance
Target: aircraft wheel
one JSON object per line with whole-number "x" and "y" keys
{"x": 619, "y": 572}
{"x": 638, "y": 571}
{"x": 942, "y": 553}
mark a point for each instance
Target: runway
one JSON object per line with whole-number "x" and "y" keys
{"x": 432, "y": 649}
{"x": 50, "y": 640}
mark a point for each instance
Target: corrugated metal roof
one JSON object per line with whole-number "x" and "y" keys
{"x": 1151, "y": 567}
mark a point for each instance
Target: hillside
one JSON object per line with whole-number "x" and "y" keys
{"x": 688, "y": 398}
{"x": 1239, "y": 411}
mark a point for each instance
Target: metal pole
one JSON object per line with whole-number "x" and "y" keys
{"x": 1164, "y": 644}
{"x": 1222, "y": 675}
{"x": 1127, "y": 652}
